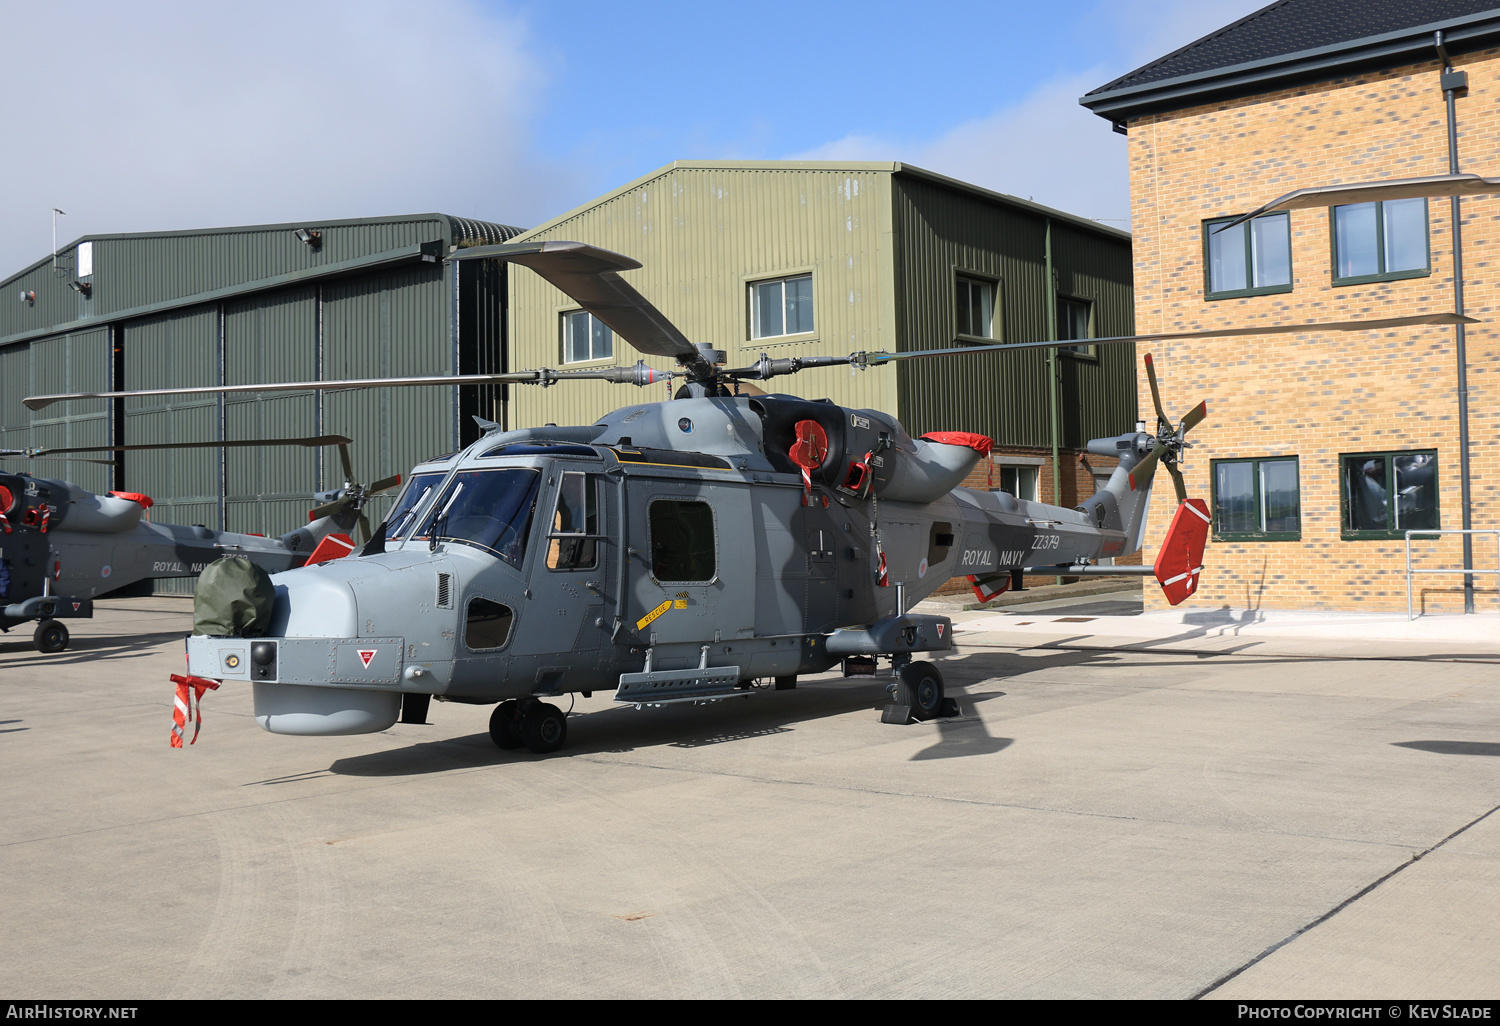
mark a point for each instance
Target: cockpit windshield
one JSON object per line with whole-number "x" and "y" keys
{"x": 402, "y": 516}
{"x": 489, "y": 509}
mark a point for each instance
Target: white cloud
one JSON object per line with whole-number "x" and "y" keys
{"x": 1045, "y": 146}
{"x": 149, "y": 117}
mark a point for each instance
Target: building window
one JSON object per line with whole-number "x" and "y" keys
{"x": 976, "y": 308}
{"x": 1380, "y": 241}
{"x": 1075, "y": 319}
{"x": 1386, "y": 494}
{"x": 1257, "y": 499}
{"x": 586, "y": 338}
{"x": 781, "y": 307}
{"x": 1250, "y": 259}
{"x": 1019, "y": 481}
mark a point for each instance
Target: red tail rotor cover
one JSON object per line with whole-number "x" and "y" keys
{"x": 1179, "y": 564}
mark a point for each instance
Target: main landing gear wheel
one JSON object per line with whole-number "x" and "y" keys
{"x": 50, "y": 636}
{"x": 925, "y": 686}
{"x": 544, "y": 728}
{"x": 505, "y": 725}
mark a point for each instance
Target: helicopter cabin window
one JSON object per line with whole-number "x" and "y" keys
{"x": 488, "y": 509}
{"x": 781, "y": 307}
{"x": 573, "y": 543}
{"x": 682, "y": 541}
{"x": 1380, "y": 241}
{"x": 976, "y": 308}
{"x": 487, "y": 624}
{"x": 1075, "y": 319}
{"x": 1257, "y": 499}
{"x": 586, "y": 338}
{"x": 1386, "y": 494}
{"x": 402, "y": 517}
{"x": 1250, "y": 259}
{"x": 1019, "y": 481}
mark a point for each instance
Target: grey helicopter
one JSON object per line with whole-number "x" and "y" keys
{"x": 62, "y": 546}
{"x": 673, "y": 552}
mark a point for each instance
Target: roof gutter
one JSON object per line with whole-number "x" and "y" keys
{"x": 1413, "y": 44}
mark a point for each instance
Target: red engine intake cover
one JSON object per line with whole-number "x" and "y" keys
{"x": 1180, "y": 561}
{"x": 979, "y": 443}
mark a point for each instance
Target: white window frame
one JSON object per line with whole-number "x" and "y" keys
{"x": 568, "y": 317}
{"x": 988, "y": 286}
{"x": 755, "y": 325}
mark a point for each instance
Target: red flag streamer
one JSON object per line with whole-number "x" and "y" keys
{"x": 189, "y": 702}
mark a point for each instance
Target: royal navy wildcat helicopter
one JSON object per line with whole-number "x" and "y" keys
{"x": 674, "y": 551}
{"x": 62, "y": 546}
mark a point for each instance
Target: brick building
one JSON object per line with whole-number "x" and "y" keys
{"x": 1321, "y": 449}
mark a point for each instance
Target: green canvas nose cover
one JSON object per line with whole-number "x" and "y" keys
{"x": 233, "y": 599}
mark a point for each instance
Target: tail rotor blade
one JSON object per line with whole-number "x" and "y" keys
{"x": 348, "y": 466}
{"x": 364, "y": 528}
{"x": 1177, "y": 483}
{"x": 1194, "y": 417}
{"x": 383, "y": 484}
{"x": 328, "y": 509}
{"x": 1141, "y": 473}
{"x": 1161, "y": 414}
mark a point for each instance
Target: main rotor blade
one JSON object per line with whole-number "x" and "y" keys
{"x": 243, "y": 443}
{"x": 1381, "y": 324}
{"x": 54, "y": 459}
{"x": 590, "y": 276}
{"x": 639, "y": 375}
{"x": 1161, "y": 414}
{"x": 1369, "y": 192}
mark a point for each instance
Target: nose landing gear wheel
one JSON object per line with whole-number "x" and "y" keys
{"x": 544, "y": 728}
{"x": 50, "y": 636}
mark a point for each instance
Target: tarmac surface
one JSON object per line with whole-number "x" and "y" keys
{"x": 1239, "y": 806}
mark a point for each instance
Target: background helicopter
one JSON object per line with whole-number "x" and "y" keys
{"x": 674, "y": 551}
{"x": 62, "y": 546}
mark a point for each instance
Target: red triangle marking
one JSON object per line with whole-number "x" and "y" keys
{"x": 365, "y": 655}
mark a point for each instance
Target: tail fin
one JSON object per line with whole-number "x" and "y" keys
{"x": 1180, "y": 561}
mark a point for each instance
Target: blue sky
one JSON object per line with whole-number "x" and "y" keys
{"x": 169, "y": 114}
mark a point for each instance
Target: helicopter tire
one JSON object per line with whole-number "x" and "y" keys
{"x": 544, "y": 728}
{"x": 505, "y": 726}
{"x": 925, "y": 685}
{"x": 787, "y": 683}
{"x": 50, "y": 636}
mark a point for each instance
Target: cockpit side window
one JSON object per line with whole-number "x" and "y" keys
{"x": 682, "y": 541}
{"x": 488, "y": 509}
{"x": 573, "y": 543}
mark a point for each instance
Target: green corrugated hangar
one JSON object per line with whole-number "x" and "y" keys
{"x": 287, "y": 302}
{"x": 786, "y": 258}
{"x": 819, "y": 258}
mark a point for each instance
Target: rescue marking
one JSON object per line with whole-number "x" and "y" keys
{"x": 650, "y": 617}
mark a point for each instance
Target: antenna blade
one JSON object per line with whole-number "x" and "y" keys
{"x": 591, "y": 277}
